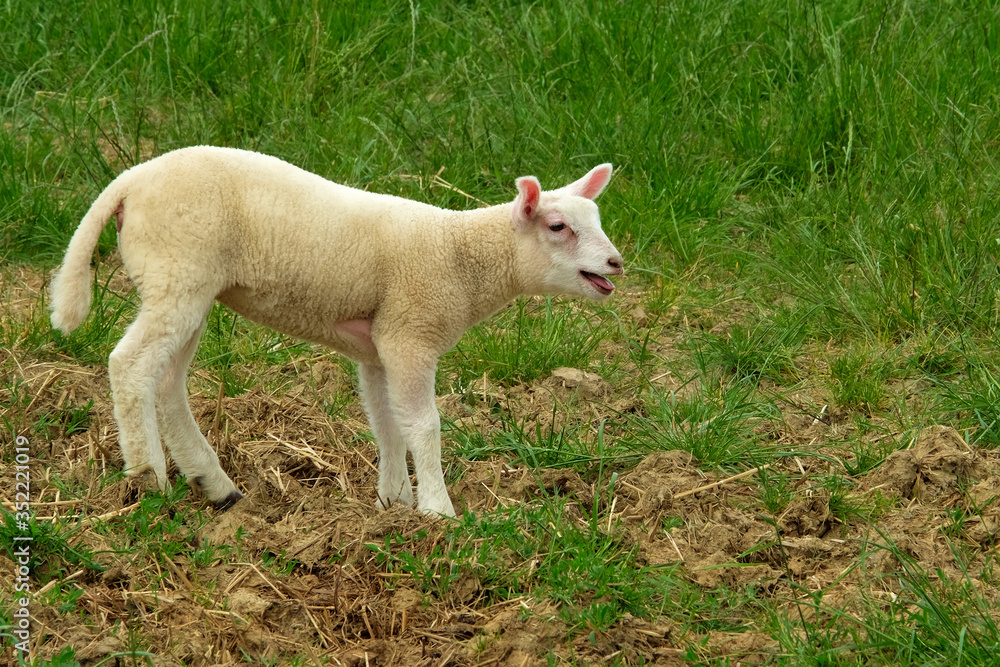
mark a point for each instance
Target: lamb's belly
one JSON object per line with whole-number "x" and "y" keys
{"x": 351, "y": 337}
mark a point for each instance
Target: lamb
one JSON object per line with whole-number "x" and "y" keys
{"x": 389, "y": 282}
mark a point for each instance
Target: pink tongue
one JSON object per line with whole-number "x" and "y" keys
{"x": 601, "y": 281}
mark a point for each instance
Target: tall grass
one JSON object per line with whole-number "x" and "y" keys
{"x": 846, "y": 148}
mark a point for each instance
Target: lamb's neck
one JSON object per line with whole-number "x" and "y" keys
{"x": 492, "y": 259}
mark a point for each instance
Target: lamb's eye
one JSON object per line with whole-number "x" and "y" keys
{"x": 558, "y": 227}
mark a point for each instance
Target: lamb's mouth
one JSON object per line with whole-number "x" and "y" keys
{"x": 600, "y": 283}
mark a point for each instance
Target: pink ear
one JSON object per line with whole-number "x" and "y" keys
{"x": 593, "y": 184}
{"x": 529, "y": 191}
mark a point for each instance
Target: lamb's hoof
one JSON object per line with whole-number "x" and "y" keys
{"x": 228, "y": 501}
{"x": 131, "y": 488}
{"x": 439, "y": 511}
{"x": 224, "y": 503}
{"x": 383, "y": 504}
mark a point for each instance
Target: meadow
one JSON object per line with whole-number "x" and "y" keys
{"x": 776, "y": 444}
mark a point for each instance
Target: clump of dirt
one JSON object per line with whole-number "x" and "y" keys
{"x": 807, "y": 517}
{"x": 931, "y": 469}
{"x": 552, "y": 482}
{"x": 487, "y": 485}
{"x": 726, "y": 538}
{"x": 716, "y": 530}
{"x": 589, "y": 385}
{"x": 651, "y": 485}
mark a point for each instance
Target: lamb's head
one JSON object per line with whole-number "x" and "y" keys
{"x": 563, "y": 227}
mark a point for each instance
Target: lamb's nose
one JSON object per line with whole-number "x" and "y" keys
{"x": 615, "y": 263}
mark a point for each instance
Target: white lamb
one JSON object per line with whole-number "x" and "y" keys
{"x": 389, "y": 282}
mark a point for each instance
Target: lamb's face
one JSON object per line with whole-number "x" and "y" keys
{"x": 580, "y": 254}
{"x": 565, "y": 226}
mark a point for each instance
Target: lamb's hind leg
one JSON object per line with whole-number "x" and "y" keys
{"x": 393, "y": 479}
{"x": 135, "y": 367}
{"x": 188, "y": 447}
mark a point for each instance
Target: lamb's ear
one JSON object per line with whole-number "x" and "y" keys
{"x": 529, "y": 192}
{"x": 593, "y": 184}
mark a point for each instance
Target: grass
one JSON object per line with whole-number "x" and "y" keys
{"x": 587, "y": 573}
{"x": 527, "y": 342}
{"x": 714, "y": 419}
{"x": 53, "y": 552}
{"x": 807, "y": 198}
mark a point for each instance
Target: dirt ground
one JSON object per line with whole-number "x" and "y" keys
{"x": 309, "y": 482}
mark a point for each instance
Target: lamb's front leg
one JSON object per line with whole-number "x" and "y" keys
{"x": 393, "y": 479}
{"x": 410, "y": 378}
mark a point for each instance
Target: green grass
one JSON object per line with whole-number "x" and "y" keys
{"x": 527, "y": 342}
{"x": 858, "y": 381}
{"x": 940, "y": 620}
{"x": 807, "y": 196}
{"x": 764, "y": 351}
{"x": 715, "y": 420}
{"x": 975, "y": 399}
{"x": 590, "y": 575}
{"x": 52, "y": 551}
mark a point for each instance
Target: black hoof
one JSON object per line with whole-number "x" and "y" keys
{"x": 228, "y": 501}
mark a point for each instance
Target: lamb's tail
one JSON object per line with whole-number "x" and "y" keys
{"x": 70, "y": 287}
